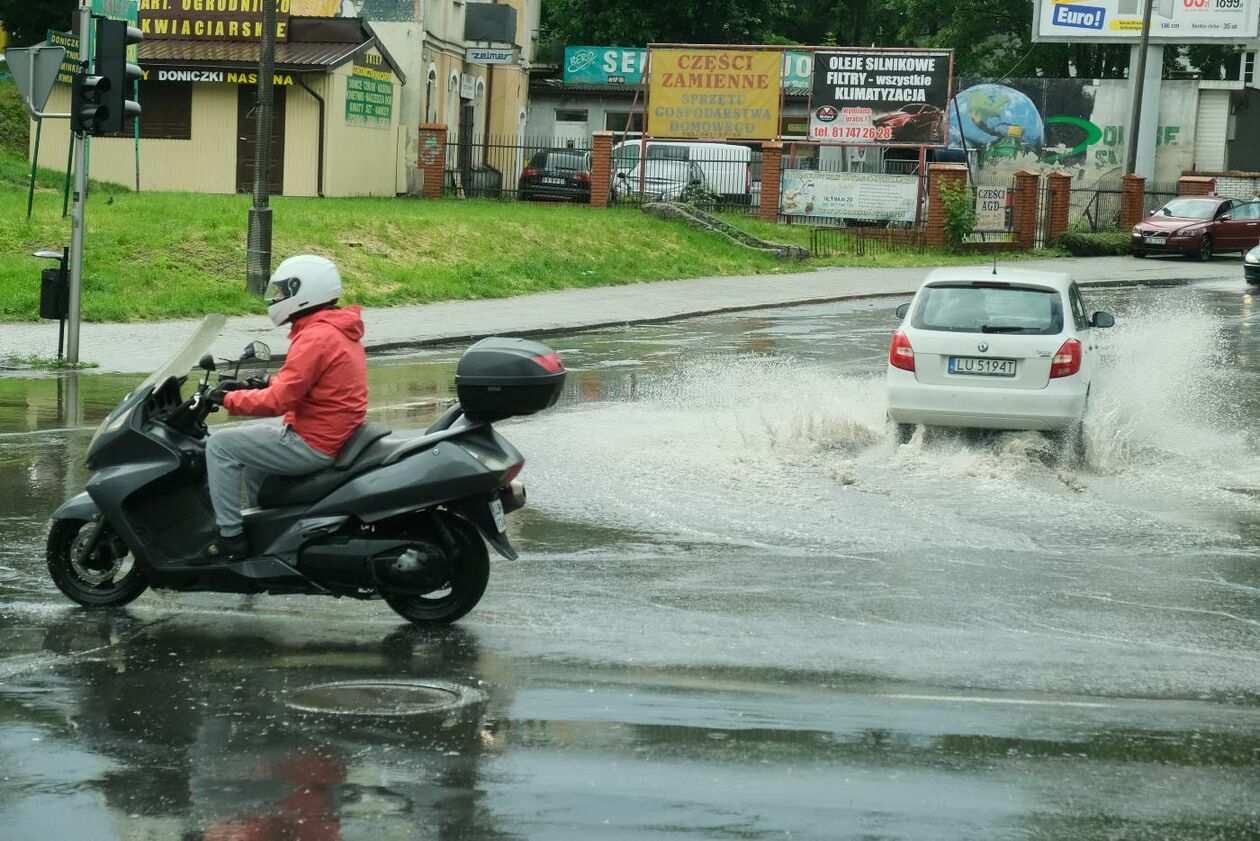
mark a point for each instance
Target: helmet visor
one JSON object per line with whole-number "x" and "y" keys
{"x": 281, "y": 289}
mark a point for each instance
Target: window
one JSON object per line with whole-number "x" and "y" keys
{"x": 616, "y": 121}
{"x": 165, "y": 112}
{"x": 989, "y": 308}
{"x": 1189, "y": 208}
{"x": 430, "y": 96}
{"x": 570, "y": 115}
{"x": 1250, "y": 210}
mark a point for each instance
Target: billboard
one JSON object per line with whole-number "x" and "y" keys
{"x": 850, "y": 195}
{"x": 1172, "y": 21}
{"x": 714, "y": 94}
{"x": 223, "y": 20}
{"x": 624, "y": 66}
{"x": 880, "y": 97}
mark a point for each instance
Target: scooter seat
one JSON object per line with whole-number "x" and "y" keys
{"x": 367, "y": 448}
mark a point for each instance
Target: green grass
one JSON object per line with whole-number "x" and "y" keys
{"x": 43, "y": 363}
{"x": 15, "y": 125}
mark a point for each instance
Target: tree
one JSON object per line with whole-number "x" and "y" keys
{"x": 633, "y": 23}
{"x": 28, "y": 21}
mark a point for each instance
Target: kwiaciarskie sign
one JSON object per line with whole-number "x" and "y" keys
{"x": 880, "y": 97}
{"x": 209, "y": 20}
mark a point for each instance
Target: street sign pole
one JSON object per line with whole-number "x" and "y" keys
{"x": 80, "y": 198}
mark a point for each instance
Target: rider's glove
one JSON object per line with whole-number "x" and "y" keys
{"x": 258, "y": 382}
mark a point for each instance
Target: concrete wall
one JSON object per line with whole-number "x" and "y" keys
{"x": 361, "y": 160}
{"x": 301, "y": 138}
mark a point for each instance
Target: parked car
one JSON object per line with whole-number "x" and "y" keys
{"x": 557, "y": 174}
{"x": 659, "y": 180}
{"x": 1251, "y": 266}
{"x": 1009, "y": 350}
{"x": 728, "y": 168}
{"x": 913, "y": 121}
{"x": 1198, "y": 226}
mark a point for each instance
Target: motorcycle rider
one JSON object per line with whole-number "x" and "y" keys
{"x": 321, "y": 390}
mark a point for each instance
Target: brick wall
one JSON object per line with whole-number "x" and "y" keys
{"x": 432, "y": 159}
{"x": 1195, "y": 185}
{"x": 1024, "y": 210}
{"x": 601, "y": 168}
{"x": 771, "y": 179}
{"x": 1132, "y": 201}
{"x": 1242, "y": 185}
{"x": 939, "y": 174}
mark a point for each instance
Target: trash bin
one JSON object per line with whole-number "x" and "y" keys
{"x": 54, "y": 294}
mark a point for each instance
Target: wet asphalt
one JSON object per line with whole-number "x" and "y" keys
{"x": 741, "y": 611}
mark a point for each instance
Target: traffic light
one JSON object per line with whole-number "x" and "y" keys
{"x": 88, "y": 108}
{"x": 113, "y": 37}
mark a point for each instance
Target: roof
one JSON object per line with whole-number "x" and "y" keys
{"x": 314, "y": 44}
{"x": 973, "y": 274}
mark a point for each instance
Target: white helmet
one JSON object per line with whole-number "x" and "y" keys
{"x": 300, "y": 284}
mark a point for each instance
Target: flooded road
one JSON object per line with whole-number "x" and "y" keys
{"x": 741, "y": 611}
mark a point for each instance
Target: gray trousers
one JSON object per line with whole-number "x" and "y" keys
{"x": 243, "y": 456}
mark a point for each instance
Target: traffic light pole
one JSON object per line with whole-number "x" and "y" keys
{"x": 80, "y": 199}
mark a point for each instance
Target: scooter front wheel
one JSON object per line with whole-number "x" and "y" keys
{"x": 108, "y": 576}
{"x": 470, "y": 572}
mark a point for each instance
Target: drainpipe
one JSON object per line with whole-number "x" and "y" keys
{"x": 319, "y": 173}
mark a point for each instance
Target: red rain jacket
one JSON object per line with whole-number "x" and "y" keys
{"x": 322, "y": 387}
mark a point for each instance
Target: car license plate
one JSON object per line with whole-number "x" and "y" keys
{"x": 556, "y": 181}
{"x": 1154, "y": 240}
{"x": 496, "y": 511}
{"x": 982, "y": 367}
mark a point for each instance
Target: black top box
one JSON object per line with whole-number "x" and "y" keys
{"x": 502, "y": 378}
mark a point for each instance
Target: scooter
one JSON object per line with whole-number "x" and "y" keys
{"x": 402, "y": 519}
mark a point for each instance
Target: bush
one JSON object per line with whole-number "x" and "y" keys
{"x": 699, "y": 195}
{"x": 1088, "y": 244}
{"x": 960, "y": 213}
{"x": 15, "y": 125}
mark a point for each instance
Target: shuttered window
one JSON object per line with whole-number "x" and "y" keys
{"x": 166, "y": 112}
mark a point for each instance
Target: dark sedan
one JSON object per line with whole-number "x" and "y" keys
{"x": 563, "y": 174}
{"x": 1198, "y": 226}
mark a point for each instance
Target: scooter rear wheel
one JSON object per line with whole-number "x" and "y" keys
{"x": 108, "y": 577}
{"x": 470, "y": 572}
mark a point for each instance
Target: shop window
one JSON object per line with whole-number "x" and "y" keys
{"x": 570, "y": 115}
{"x": 166, "y": 112}
{"x": 616, "y": 121}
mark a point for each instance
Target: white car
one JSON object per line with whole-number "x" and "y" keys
{"x": 1009, "y": 349}
{"x": 659, "y": 180}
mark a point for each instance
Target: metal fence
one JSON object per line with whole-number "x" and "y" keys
{"x": 1158, "y": 195}
{"x": 717, "y": 176}
{"x": 511, "y": 168}
{"x": 831, "y": 241}
{"x": 1096, "y": 208}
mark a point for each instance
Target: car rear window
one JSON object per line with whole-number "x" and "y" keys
{"x": 566, "y": 161}
{"x": 989, "y": 308}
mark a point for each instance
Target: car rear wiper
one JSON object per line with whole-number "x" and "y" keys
{"x": 1001, "y": 328}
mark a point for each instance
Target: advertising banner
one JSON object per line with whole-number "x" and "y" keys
{"x": 880, "y": 97}
{"x": 714, "y": 94}
{"x": 992, "y": 209}
{"x": 370, "y": 92}
{"x": 209, "y": 20}
{"x": 1172, "y": 21}
{"x": 604, "y": 66}
{"x": 850, "y": 195}
{"x": 70, "y": 64}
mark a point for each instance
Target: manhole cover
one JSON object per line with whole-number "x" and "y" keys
{"x": 381, "y": 698}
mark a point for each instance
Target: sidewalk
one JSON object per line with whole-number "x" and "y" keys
{"x": 139, "y": 347}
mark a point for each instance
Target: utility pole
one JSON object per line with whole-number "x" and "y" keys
{"x": 1139, "y": 85}
{"x": 258, "y": 248}
{"x": 80, "y": 196}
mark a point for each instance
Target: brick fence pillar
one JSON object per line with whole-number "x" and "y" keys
{"x": 939, "y": 175}
{"x": 1195, "y": 185}
{"x": 1024, "y": 210}
{"x": 771, "y": 181}
{"x": 1132, "y": 201}
{"x": 432, "y": 159}
{"x": 1060, "y": 201}
{"x": 601, "y": 168}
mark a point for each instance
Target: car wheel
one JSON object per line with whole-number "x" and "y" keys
{"x": 1205, "y": 249}
{"x": 1139, "y": 253}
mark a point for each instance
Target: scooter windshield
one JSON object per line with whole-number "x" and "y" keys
{"x": 178, "y": 365}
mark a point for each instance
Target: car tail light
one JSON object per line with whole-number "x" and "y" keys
{"x": 512, "y": 473}
{"x": 901, "y": 355}
{"x": 529, "y": 172}
{"x": 552, "y": 363}
{"x": 582, "y": 177}
{"x": 1067, "y": 361}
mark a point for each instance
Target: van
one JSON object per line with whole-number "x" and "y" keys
{"x": 727, "y": 168}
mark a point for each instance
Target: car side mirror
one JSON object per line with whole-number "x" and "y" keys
{"x": 622, "y": 176}
{"x": 903, "y": 310}
{"x": 1225, "y": 218}
{"x": 1102, "y": 320}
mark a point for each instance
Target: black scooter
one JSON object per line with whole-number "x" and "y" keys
{"x": 397, "y": 518}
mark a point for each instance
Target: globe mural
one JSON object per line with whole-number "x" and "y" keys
{"x": 994, "y": 114}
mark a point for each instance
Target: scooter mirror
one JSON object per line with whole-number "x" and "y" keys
{"x": 257, "y": 350}
{"x": 206, "y": 363}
